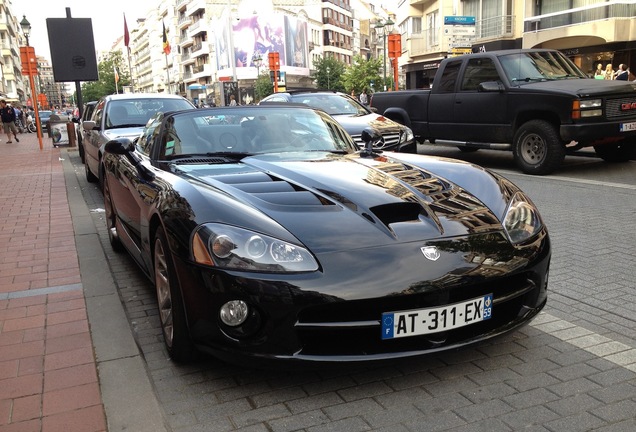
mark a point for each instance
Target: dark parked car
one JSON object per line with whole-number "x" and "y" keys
{"x": 354, "y": 117}
{"x": 270, "y": 236}
{"x": 122, "y": 115}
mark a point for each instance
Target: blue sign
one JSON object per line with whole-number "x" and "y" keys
{"x": 459, "y": 20}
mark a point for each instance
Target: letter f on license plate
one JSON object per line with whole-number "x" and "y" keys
{"x": 433, "y": 320}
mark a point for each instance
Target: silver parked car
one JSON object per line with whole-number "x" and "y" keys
{"x": 122, "y": 116}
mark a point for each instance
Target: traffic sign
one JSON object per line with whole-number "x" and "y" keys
{"x": 459, "y": 20}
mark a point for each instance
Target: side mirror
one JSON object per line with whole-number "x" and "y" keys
{"x": 370, "y": 137}
{"x": 90, "y": 125}
{"x": 120, "y": 146}
{"x": 491, "y": 86}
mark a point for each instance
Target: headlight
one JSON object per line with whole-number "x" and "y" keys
{"x": 236, "y": 248}
{"x": 522, "y": 219}
{"x": 592, "y": 103}
{"x": 407, "y": 134}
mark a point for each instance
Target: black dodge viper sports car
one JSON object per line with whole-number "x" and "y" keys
{"x": 269, "y": 235}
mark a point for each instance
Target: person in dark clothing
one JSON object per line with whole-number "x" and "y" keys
{"x": 622, "y": 73}
{"x": 7, "y": 114}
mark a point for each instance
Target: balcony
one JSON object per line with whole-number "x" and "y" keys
{"x": 499, "y": 27}
{"x": 201, "y": 71}
{"x": 595, "y": 24}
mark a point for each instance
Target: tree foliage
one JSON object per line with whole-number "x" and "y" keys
{"x": 328, "y": 74}
{"x": 263, "y": 86}
{"x": 363, "y": 74}
{"x": 105, "y": 85}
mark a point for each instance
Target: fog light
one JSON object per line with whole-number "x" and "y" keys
{"x": 234, "y": 313}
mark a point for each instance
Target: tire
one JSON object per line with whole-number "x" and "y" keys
{"x": 171, "y": 310}
{"x": 90, "y": 177}
{"x": 111, "y": 220}
{"x": 616, "y": 153}
{"x": 537, "y": 148}
{"x": 32, "y": 128}
{"x": 80, "y": 148}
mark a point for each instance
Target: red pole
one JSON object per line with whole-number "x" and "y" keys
{"x": 395, "y": 73}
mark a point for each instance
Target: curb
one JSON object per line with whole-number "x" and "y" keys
{"x": 129, "y": 399}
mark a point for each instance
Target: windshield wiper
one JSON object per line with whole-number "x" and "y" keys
{"x": 528, "y": 79}
{"x": 119, "y": 126}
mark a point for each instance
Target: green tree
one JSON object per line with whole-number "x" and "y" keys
{"x": 105, "y": 85}
{"x": 362, "y": 75}
{"x": 328, "y": 74}
{"x": 263, "y": 86}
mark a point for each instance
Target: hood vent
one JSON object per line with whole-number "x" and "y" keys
{"x": 397, "y": 212}
{"x": 273, "y": 190}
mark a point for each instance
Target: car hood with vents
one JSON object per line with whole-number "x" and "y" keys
{"x": 385, "y": 200}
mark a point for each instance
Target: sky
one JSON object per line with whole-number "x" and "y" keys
{"x": 107, "y": 18}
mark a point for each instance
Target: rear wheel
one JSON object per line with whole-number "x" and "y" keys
{"x": 537, "y": 148}
{"x": 171, "y": 310}
{"x": 619, "y": 152}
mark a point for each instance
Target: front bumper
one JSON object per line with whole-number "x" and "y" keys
{"x": 593, "y": 133}
{"x": 302, "y": 321}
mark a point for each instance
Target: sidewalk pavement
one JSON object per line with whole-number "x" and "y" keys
{"x": 68, "y": 358}
{"x": 48, "y": 374}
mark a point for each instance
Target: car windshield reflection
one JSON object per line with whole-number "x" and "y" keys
{"x": 251, "y": 130}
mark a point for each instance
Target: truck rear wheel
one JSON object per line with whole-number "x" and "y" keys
{"x": 620, "y": 152}
{"x": 537, "y": 148}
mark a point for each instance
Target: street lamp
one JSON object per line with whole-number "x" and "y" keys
{"x": 257, "y": 61}
{"x": 26, "y": 28}
{"x": 328, "y": 84}
{"x": 29, "y": 68}
{"x": 385, "y": 27}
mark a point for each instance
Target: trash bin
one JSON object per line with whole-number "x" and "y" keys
{"x": 58, "y": 130}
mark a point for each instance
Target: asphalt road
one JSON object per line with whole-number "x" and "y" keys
{"x": 572, "y": 369}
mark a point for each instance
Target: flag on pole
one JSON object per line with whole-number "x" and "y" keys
{"x": 166, "y": 44}
{"x": 116, "y": 74}
{"x": 126, "y": 34}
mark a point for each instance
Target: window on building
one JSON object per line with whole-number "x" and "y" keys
{"x": 433, "y": 23}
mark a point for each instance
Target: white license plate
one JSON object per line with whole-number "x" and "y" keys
{"x": 626, "y": 127}
{"x": 433, "y": 320}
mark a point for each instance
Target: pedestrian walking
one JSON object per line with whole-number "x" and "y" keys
{"x": 364, "y": 100}
{"x": 7, "y": 114}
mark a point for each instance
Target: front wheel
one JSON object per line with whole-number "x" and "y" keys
{"x": 619, "y": 152}
{"x": 31, "y": 128}
{"x": 111, "y": 220}
{"x": 171, "y": 310}
{"x": 90, "y": 177}
{"x": 537, "y": 148}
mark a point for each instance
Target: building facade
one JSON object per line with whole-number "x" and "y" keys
{"x": 588, "y": 31}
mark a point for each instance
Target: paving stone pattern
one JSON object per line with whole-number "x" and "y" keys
{"x": 572, "y": 369}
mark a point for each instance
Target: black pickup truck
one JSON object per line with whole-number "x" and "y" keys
{"x": 535, "y": 102}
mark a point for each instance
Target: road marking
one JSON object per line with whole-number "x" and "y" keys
{"x": 571, "y": 180}
{"x": 616, "y": 352}
{"x": 41, "y": 291}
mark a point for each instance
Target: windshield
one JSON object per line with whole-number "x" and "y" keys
{"x": 539, "y": 66}
{"x": 249, "y": 130}
{"x": 137, "y": 112}
{"x": 331, "y": 103}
